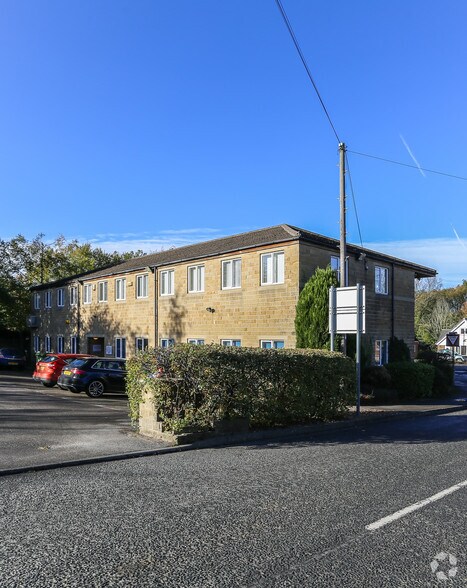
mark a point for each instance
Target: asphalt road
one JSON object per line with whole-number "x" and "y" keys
{"x": 289, "y": 514}
{"x": 48, "y": 425}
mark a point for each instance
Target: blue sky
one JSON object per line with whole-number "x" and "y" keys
{"x": 158, "y": 123}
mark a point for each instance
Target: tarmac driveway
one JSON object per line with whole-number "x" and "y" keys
{"x": 41, "y": 425}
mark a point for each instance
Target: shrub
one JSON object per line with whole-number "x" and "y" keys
{"x": 376, "y": 376}
{"x": 398, "y": 350}
{"x": 271, "y": 387}
{"x": 412, "y": 380}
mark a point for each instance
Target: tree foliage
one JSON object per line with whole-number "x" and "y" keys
{"x": 439, "y": 309}
{"x": 27, "y": 263}
{"x": 312, "y": 311}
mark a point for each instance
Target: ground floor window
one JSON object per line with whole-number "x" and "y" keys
{"x": 272, "y": 344}
{"x": 73, "y": 344}
{"x": 196, "y": 341}
{"x": 231, "y": 342}
{"x": 141, "y": 343}
{"x": 381, "y": 352}
{"x": 36, "y": 343}
{"x": 60, "y": 345}
{"x": 167, "y": 342}
{"x": 48, "y": 344}
{"x": 120, "y": 347}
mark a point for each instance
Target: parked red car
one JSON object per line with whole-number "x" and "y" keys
{"x": 50, "y": 367}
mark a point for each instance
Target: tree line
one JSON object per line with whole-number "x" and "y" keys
{"x": 30, "y": 262}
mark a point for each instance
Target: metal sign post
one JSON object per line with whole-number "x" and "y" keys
{"x": 452, "y": 340}
{"x": 346, "y": 317}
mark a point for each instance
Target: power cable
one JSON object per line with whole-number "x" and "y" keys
{"x": 353, "y": 199}
{"x": 432, "y": 171}
{"x": 297, "y": 46}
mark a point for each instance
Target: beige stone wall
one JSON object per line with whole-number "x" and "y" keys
{"x": 250, "y": 313}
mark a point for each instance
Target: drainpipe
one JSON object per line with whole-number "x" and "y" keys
{"x": 156, "y": 308}
{"x": 78, "y": 316}
{"x": 392, "y": 301}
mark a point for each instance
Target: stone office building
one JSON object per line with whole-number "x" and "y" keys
{"x": 239, "y": 290}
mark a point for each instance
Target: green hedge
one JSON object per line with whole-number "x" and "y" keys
{"x": 412, "y": 380}
{"x": 271, "y": 387}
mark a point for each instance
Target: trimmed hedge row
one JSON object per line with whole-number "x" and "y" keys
{"x": 200, "y": 384}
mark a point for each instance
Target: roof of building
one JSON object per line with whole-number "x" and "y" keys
{"x": 234, "y": 243}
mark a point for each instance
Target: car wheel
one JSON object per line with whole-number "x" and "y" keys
{"x": 62, "y": 387}
{"x": 48, "y": 384}
{"x": 95, "y": 389}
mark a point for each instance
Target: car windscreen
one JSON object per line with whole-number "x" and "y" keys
{"x": 77, "y": 362}
{"x": 9, "y": 351}
{"x": 49, "y": 359}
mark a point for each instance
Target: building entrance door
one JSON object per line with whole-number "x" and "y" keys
{"x": 96, "y": 346}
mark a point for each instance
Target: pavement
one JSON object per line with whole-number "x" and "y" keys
{"x": 122, "y": 442}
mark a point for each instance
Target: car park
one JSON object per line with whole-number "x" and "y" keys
{"x": 12, "y": 358}
{"x": 49, "y": 368}
{"x": 94, "y": 375}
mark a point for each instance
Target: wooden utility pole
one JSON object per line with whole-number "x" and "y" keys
{"x": 343, "y": 230}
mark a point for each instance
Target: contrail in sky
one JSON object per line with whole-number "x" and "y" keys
{"x": 458, "y": 238}
{"x": 412, "y": 156}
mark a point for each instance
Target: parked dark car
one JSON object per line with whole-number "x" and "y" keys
{"x": 50, "y": 367}
{"x": 94, "y": 375}
{"x": 12, "y": 358}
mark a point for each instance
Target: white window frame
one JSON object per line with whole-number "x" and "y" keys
{"x": 37, "y": 301}
{"x": 195, "y": 341}
{"x": 47, "y": 344}
{"x": 73, "y": 344}
{"x": 141, "y": 343}
{"x": 48, "y": 299}
{"x": 231, "y": 273}
{"x": 87, "y": 293}
{"x": 196, "y": 278}
{"x": 336, "y": 267}
{"x": 231, "y": 342}
{"x": 73, "y": 295}
{"x": 273, "y": 344}
{"x": 167, "y": 278}
{"x": 103, "y": 291}
{"x": 272, "y": 268}
{"x": 381, "y": 351}
{"x": 60, "y": 344}
{"x": 142, "y": 285}
{"x": 381, "y": 283}
{"x": 60, "y": 297}
{"x": 120, "y": 289}
{"x": 36, "y": 343}
{"x": 120, "y": 347}
{"x": 167, "y": 342}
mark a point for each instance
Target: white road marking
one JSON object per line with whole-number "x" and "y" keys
{"x": 401, "y": 513}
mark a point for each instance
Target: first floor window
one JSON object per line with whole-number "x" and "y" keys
{"x": 272, "y": 344}
{"x": 142, "y": 286}
{"x": 231, "y": 342}
{"x": 37, "y": 343}
{"x": 87, "y": 294}
{"x": 381, "y": 280}
{"x": 120, "y": 347}
{"x": 167, "y": 282}
{"x": 73, "y": 295}
{"x": 120, "y": 289}
{"x": 102, "y": 292}
{"x": 272, "y": 268}
{"x": 141, "y": 343}
{"x": 167, "y": 342}
{"x": 196, "y": 341}
{"x": 48, "y": 345}
{"x": 381, "y": 352}
{"x": 73, "y": 344}
{"x": 231, "y": 274}
{"x": 48, "y": 299}
{"x": 196, "y": 278}
{"x": 60, "y": 344}
{"x": 60, "y": 297}
{"x": 37, "y": 301}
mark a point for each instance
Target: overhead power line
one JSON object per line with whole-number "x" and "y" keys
{"x": 431, "y": 171}
{"x": 353, "y": 200}
{"x": 302, "y": 57}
